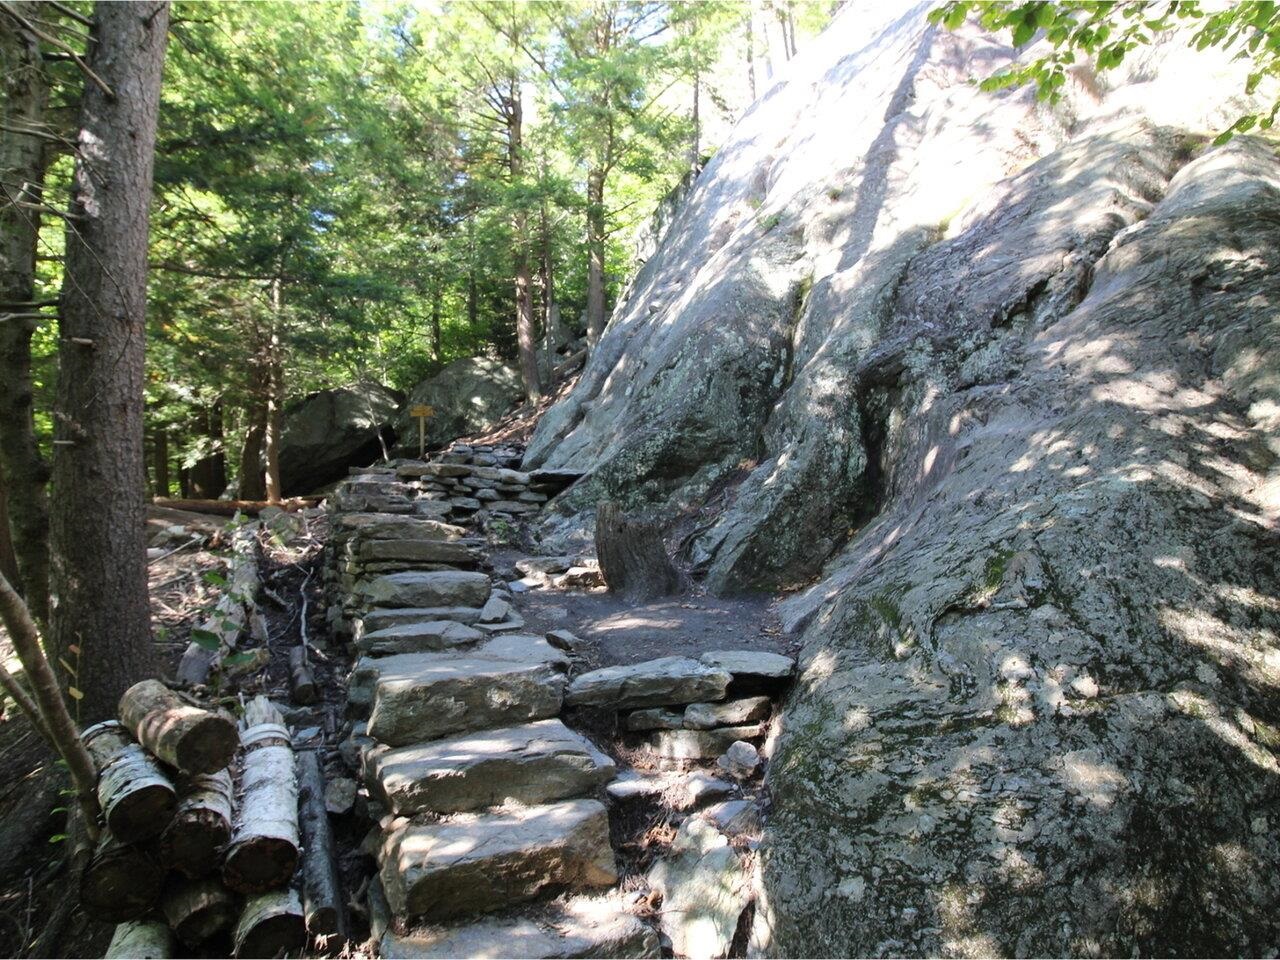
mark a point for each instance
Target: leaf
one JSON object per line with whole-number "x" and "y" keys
{"x": 74, "y": 648}
{"x": 58, "y": 838}
{"x": 205, "y": 639}
{"x": 1022, "y": 33}
{"x": 215, "y": 578}
{"x": 68, "y": 667}
{"x": 239, "y": 659}
{"x": 74, "y": 693}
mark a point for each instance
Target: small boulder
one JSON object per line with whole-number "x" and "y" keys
{"x": 740, "y": 760}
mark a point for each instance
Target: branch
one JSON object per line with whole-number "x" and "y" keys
{"x": 55, "y": 42}
{"x": 52, "y": 708}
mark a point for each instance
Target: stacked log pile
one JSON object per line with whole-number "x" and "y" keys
{"x": 202, "y": 842}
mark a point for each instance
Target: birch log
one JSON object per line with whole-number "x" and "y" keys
{"x": 264, "y": 849}
{"x": 140, "y": 940}
{"x": 120, "y": 882}
{"x": 232, "y": 612}
{"x": 136, "y": 797}
{"x": 182, "y": 735}
{"x": 271, "y": 925}
{"x": 198, "y": 909}
{"x": 192, "y": 843}
{"x": 322, "y": 898}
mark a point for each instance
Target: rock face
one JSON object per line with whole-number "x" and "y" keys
{"x": 1005, "y": 378}
{"x": 330, "y": 430}
{"x": 468, "y": 396}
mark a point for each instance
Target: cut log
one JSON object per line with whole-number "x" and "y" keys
{"x": 120, "y": 882}
{"x": 264, "y": 849}
{"x": 271, "y": 925}
{"x": 137, "y": 798}
{"x": 232, "y": 613}
{"x": 192, "y": 843}
{"x": 230, "y": 508}
{"x": 301, "y": 679}
{"x": 322, "y": 899}
{"x": 140, "y": 940}
{"x": 198, "y": 909}
{"x": 182, "y": 735}
{"x": 633, "y": 558}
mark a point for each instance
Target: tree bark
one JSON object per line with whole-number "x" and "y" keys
{"x": 8, "y": 559}
{"x": 122, "y": 881}
{"x": 99, "y": 515}
{"x": 436, "y": 345}
{"x": 140, "y": 940}
{"x": 264, "y": 850}
{"x": 271, "y": 925}
{"x": 546, "y": 274}
{"x": 192, "y": 843}
{"x": 184, "y": 736}
{"x": 160, "y": 455}
{"x": 525, "y": 341}
{"x": 22, "y": 166}
{"x": 197, "y": 909}
{"x": 595, "y": 257}
{"x": 275, "y": 396}
{"x": 322, "y": 897}
{"x": 633, "y": 558}
{"x": 137, "y": 798}
{"x": 209, "y": 475}
{"x": 253, "y": 484}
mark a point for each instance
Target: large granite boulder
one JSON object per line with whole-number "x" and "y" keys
{"x": 328, "y": 431}
{"x": 467, "y": 396}
{"x": 1004, "y": 380}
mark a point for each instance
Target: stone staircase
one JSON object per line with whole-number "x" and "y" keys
{"x": 493, "y": 816}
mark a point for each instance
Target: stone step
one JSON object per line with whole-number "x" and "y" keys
{"x": 532, "y": 763}
{"x": 653, "y": 683}
{"x": 419, "y": 637}
{"x": 484, "y": 863}
{"x": 418, "y": 551}
{"x": 381, "y": 617}
{"x": 438, "y": 694}
{"x": 699, "y": 744}
{"x": 754, "y": 671}
{"x": 582, "y": 926}
{"x": 446, "y": 588}
{"x": 395, "y": 526}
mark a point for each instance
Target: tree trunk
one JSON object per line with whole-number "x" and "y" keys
{"x": 182, "y": 735}
{"x": 209, "y": 475}
{"x": 122, "y": 881}
{"x": 275, "y": 397}
{"x": 435, "y": 322}
{"x": 271, "y": 925}
{"x": 264, "y": 850}
{"x": 633, "y": 558}
{"x": 595, "y": 257}
{"x": 160, "y": 455}
{"x": 525, "y": 341}
{"x": 751, "y": 50}
{"x": 137, "y": 798}
{"x": 546, "y": 276}
{"x": 253, "y": 485}
{"x": 99, "y": 514}
{"x": 22, "y": 163}
{"x": 193, "y": 841}
{"x": 197, "y": 909}
{"x": 8, "y": 559}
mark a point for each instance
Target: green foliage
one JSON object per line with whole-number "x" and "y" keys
{"x": 1103, "y": 33}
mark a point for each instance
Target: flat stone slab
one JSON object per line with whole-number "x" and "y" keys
{"x": 505, "y": 648}
{"x": 419, "y": 551}
{"x": 532, "y": 566}
{"x": 752, "y": 664}
{"x": 418, "y": 637}
{"x": 397, "y": 526}
{"x": 414, "y": 588}
{"x": 655, "y": 718}
{"x": 380, "y": 618}
{"x": 435, "y": 469}
{"x": 654, "y": 683}
{"x": 532, "y": 763}
{"x": 704, "y": 716}
{"x": 488, "y": 862}
{"x": 698, "y": 744}
{"x": 582, "y": 926}
{"x": 438, "y": 696}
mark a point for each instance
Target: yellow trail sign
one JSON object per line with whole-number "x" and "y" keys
{"x": 421, "y": 410}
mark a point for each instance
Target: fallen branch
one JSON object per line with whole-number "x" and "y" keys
{"x": 264, "y": 850}
{"x": 182, "y": 735}
{"x": 230, "y": 508}
{"x": 219, "y": 633}
{"x": 322, "y": 899}
{"x": 137, "y": 798}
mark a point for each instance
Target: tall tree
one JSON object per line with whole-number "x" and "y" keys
{"x": 100, "y": 617}
{"x": 23, "y": 141}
